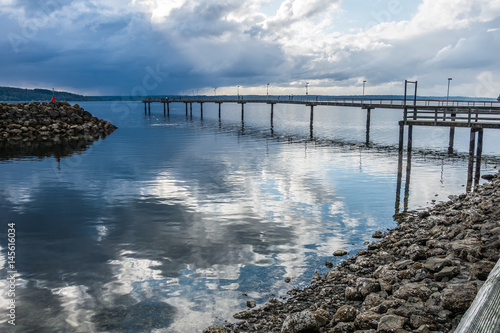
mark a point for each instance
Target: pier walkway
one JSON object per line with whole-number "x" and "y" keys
{"x": 474, "y": 114}
{"x": 395, "y": 103}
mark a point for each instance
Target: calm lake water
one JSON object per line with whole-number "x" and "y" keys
{"x": 164, "y": 224}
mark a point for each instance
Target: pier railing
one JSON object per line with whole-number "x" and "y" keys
{"x": 454, "y": 117}
{"x": 326, "y": 100}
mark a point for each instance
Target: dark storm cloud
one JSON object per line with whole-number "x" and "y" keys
{"x": 113, "y": 46}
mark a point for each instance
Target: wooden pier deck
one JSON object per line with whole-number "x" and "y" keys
{"x": 372, "y": 103}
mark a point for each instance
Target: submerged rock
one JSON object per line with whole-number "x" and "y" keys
{"x": 340, "y": 253}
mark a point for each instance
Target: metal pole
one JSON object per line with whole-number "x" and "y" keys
{"x": 368, "y": 111}
{"x": 408, "y": 167}
{"x": 400, "y": 166}
{"x": 406, "y": 89}
{"x": 472, "y": 143}
{"x": 448, "y": 93}
{"x": 479, "y": 153}
{"x": 311, "y": 124}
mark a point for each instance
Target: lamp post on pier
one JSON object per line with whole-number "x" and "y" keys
{"x": 238, "y": 92}
{"x": 215, "y": 91}
{"x": 268, "y": 89}
{"x": 448, "y": 92}
{"x": 307, "y": 85}
{"x": 363, "y": 99}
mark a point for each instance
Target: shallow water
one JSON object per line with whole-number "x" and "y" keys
{"x": 164, "y": 224}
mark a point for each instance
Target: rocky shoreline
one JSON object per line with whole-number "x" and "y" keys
{"x": 420, "y": 277}
{"x": 34, "y": 122}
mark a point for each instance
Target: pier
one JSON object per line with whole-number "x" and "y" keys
{"x": 474, "y": 114}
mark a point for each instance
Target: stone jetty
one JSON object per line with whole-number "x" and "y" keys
{"x": 420, "y": 277}
{"x": 24, "y": 122}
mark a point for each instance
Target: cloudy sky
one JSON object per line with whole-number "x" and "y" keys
{"x": 138, "y": 47}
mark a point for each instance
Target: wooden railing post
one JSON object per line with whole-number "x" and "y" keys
{"x": 484, "y": 313}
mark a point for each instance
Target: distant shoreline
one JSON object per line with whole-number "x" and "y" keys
{"x": 13, "y": 95}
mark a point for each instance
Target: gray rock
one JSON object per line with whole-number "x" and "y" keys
{"x": 367, "y": 286}
{"x": 480, "y": 270}
{"x": 435, "y": 264}
{"x": 416, "y": 252}
{"x": 251, "y": 303}
{"x": 300, "y": 322}
{"x": 447, "y": 272}
{"x": 340, "y": 253}
{"x": 390, "y": 323}
{"x": 345, "y": 313}
{"x": 458, "y": 297}
{"x": 413, "y": 290}
{"x": 343, "y": 328}
{"x": 367, "y": 320}
{"x": 467, "y": 249}
{"x": 352, "y": 294}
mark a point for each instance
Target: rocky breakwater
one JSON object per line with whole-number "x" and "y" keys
{"x": 47, "y": 121}
{"x": 421, "y": 277}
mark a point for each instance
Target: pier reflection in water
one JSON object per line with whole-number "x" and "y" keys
{"x": 166, "y": 223}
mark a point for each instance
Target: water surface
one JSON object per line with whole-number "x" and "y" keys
{"x": 164, "y": 224}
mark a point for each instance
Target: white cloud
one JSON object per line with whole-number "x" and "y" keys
{"x": 223, "y": 43}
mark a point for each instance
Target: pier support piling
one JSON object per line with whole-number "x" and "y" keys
{"x": 452, "y": 134}
{"x": 479, "y": 154}
{"x": 400, "y": 166}
{"x": 472, "y": 144}
{"x": 408, "y": 167}
{"x": 272, "y": 119}
{"x": 368, "y": 120}
{"x": 311, "y": 134}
